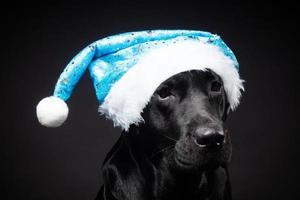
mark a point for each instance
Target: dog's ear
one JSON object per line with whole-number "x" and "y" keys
{"x": 226, "y": 112}
{"x": 224, "y": 103}
{"x": 226, "y": 107}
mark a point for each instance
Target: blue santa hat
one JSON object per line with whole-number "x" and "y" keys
{"x": 127, "y": 68}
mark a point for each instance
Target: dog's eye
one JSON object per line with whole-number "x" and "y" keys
{"x": 215, "y": 86}
{"x": 164, "y": 92}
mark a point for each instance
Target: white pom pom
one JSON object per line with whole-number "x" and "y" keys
{"x": 52, "y": 111}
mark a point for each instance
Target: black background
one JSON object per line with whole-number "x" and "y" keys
{"x": 64, "y": 163}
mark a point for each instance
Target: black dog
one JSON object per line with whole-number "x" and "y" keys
{"x": 181, "y": 151}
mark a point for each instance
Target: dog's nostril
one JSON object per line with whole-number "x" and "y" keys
{"x": 202, "y": 142}
{"x": 209, "y": 139}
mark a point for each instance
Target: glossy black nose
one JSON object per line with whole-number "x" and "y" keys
{"x": 210, "y": 138}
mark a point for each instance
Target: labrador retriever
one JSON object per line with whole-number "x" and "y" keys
{"x": 181, "y": 151}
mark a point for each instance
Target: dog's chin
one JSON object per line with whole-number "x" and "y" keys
{"x": 186, "y": 162}
{"x": 202, "y": 159}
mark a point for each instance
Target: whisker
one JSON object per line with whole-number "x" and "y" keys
{"x": 172, "y": 139}
{"x": 162, "y": 150}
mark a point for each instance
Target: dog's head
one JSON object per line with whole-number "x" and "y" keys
{"x": 185, "y": 117}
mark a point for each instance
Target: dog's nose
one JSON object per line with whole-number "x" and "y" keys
{"x": 209, "y": 138}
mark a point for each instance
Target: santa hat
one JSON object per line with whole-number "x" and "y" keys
{"x": 127, "y": 68}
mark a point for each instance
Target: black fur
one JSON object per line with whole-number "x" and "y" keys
{"x": 180, "y": 152}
